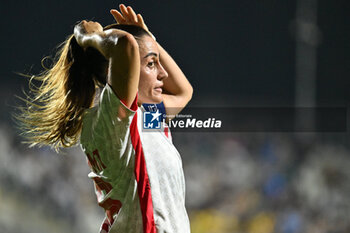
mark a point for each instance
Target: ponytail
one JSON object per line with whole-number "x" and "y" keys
{"x": 53, "y": 113}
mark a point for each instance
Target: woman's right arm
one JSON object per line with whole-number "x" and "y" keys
{"x": 122, "y": 51}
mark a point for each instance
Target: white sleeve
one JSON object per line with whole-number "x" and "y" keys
{"x": 106, "y": 127}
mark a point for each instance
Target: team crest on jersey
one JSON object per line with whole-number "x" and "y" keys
{"x": 152, "y": 120}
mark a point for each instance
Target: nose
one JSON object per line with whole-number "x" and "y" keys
{"x": 162, "y": 72}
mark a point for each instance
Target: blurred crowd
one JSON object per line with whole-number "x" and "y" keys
{"x": 264, "y": 183}
{"x": 235, "y": 183}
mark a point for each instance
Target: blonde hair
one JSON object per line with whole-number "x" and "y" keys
{"x": 54, "y": 109}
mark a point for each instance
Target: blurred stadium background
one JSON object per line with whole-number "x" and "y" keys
{"x": 235, "y": 53}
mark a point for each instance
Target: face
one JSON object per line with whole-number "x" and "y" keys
{"x": 152, "y": 72}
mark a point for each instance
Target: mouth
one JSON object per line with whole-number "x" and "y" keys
{"x": 158, "y": 89}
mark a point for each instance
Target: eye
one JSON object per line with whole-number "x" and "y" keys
{"x": 150, "y": 64}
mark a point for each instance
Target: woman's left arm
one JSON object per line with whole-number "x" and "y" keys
{"x": 177, "y": 90}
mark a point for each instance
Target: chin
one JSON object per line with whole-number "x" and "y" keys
{"x": 156, "y": 101}
{"x": 156, "y": 98}
{"x": 153, "y": 100}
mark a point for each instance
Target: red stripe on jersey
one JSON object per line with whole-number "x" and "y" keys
{"x": 166, "y": 131}
{"x": 134, "y": 105}
{"x": 143, "y": 185}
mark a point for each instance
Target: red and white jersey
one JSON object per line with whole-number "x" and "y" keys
{"x": 138, "y": 175}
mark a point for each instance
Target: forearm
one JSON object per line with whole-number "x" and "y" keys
{"x": 176, "y": 84}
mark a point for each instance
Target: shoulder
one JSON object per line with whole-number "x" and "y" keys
{"x": 109, "y": 116}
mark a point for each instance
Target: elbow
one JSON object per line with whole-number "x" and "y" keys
{"x": 130, "y": 44}
{"x": 125, "y": 44}
{"x": 131, "y": 41}
{"x": 190, "y": 92}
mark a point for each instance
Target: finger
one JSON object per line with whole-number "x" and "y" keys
{"x": 124, "y": 11}
{"x": 141, "y": 21}
{"x": 118, "y": 16}
{"x": 132, "y": 15}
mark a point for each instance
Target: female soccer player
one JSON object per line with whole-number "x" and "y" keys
{"x": 138, "y": 175}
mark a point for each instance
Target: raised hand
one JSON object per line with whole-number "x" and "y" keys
{"x": 84, "y": 30}
{"x": 128, "y": 16}
{"x": 91, "y": 26}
